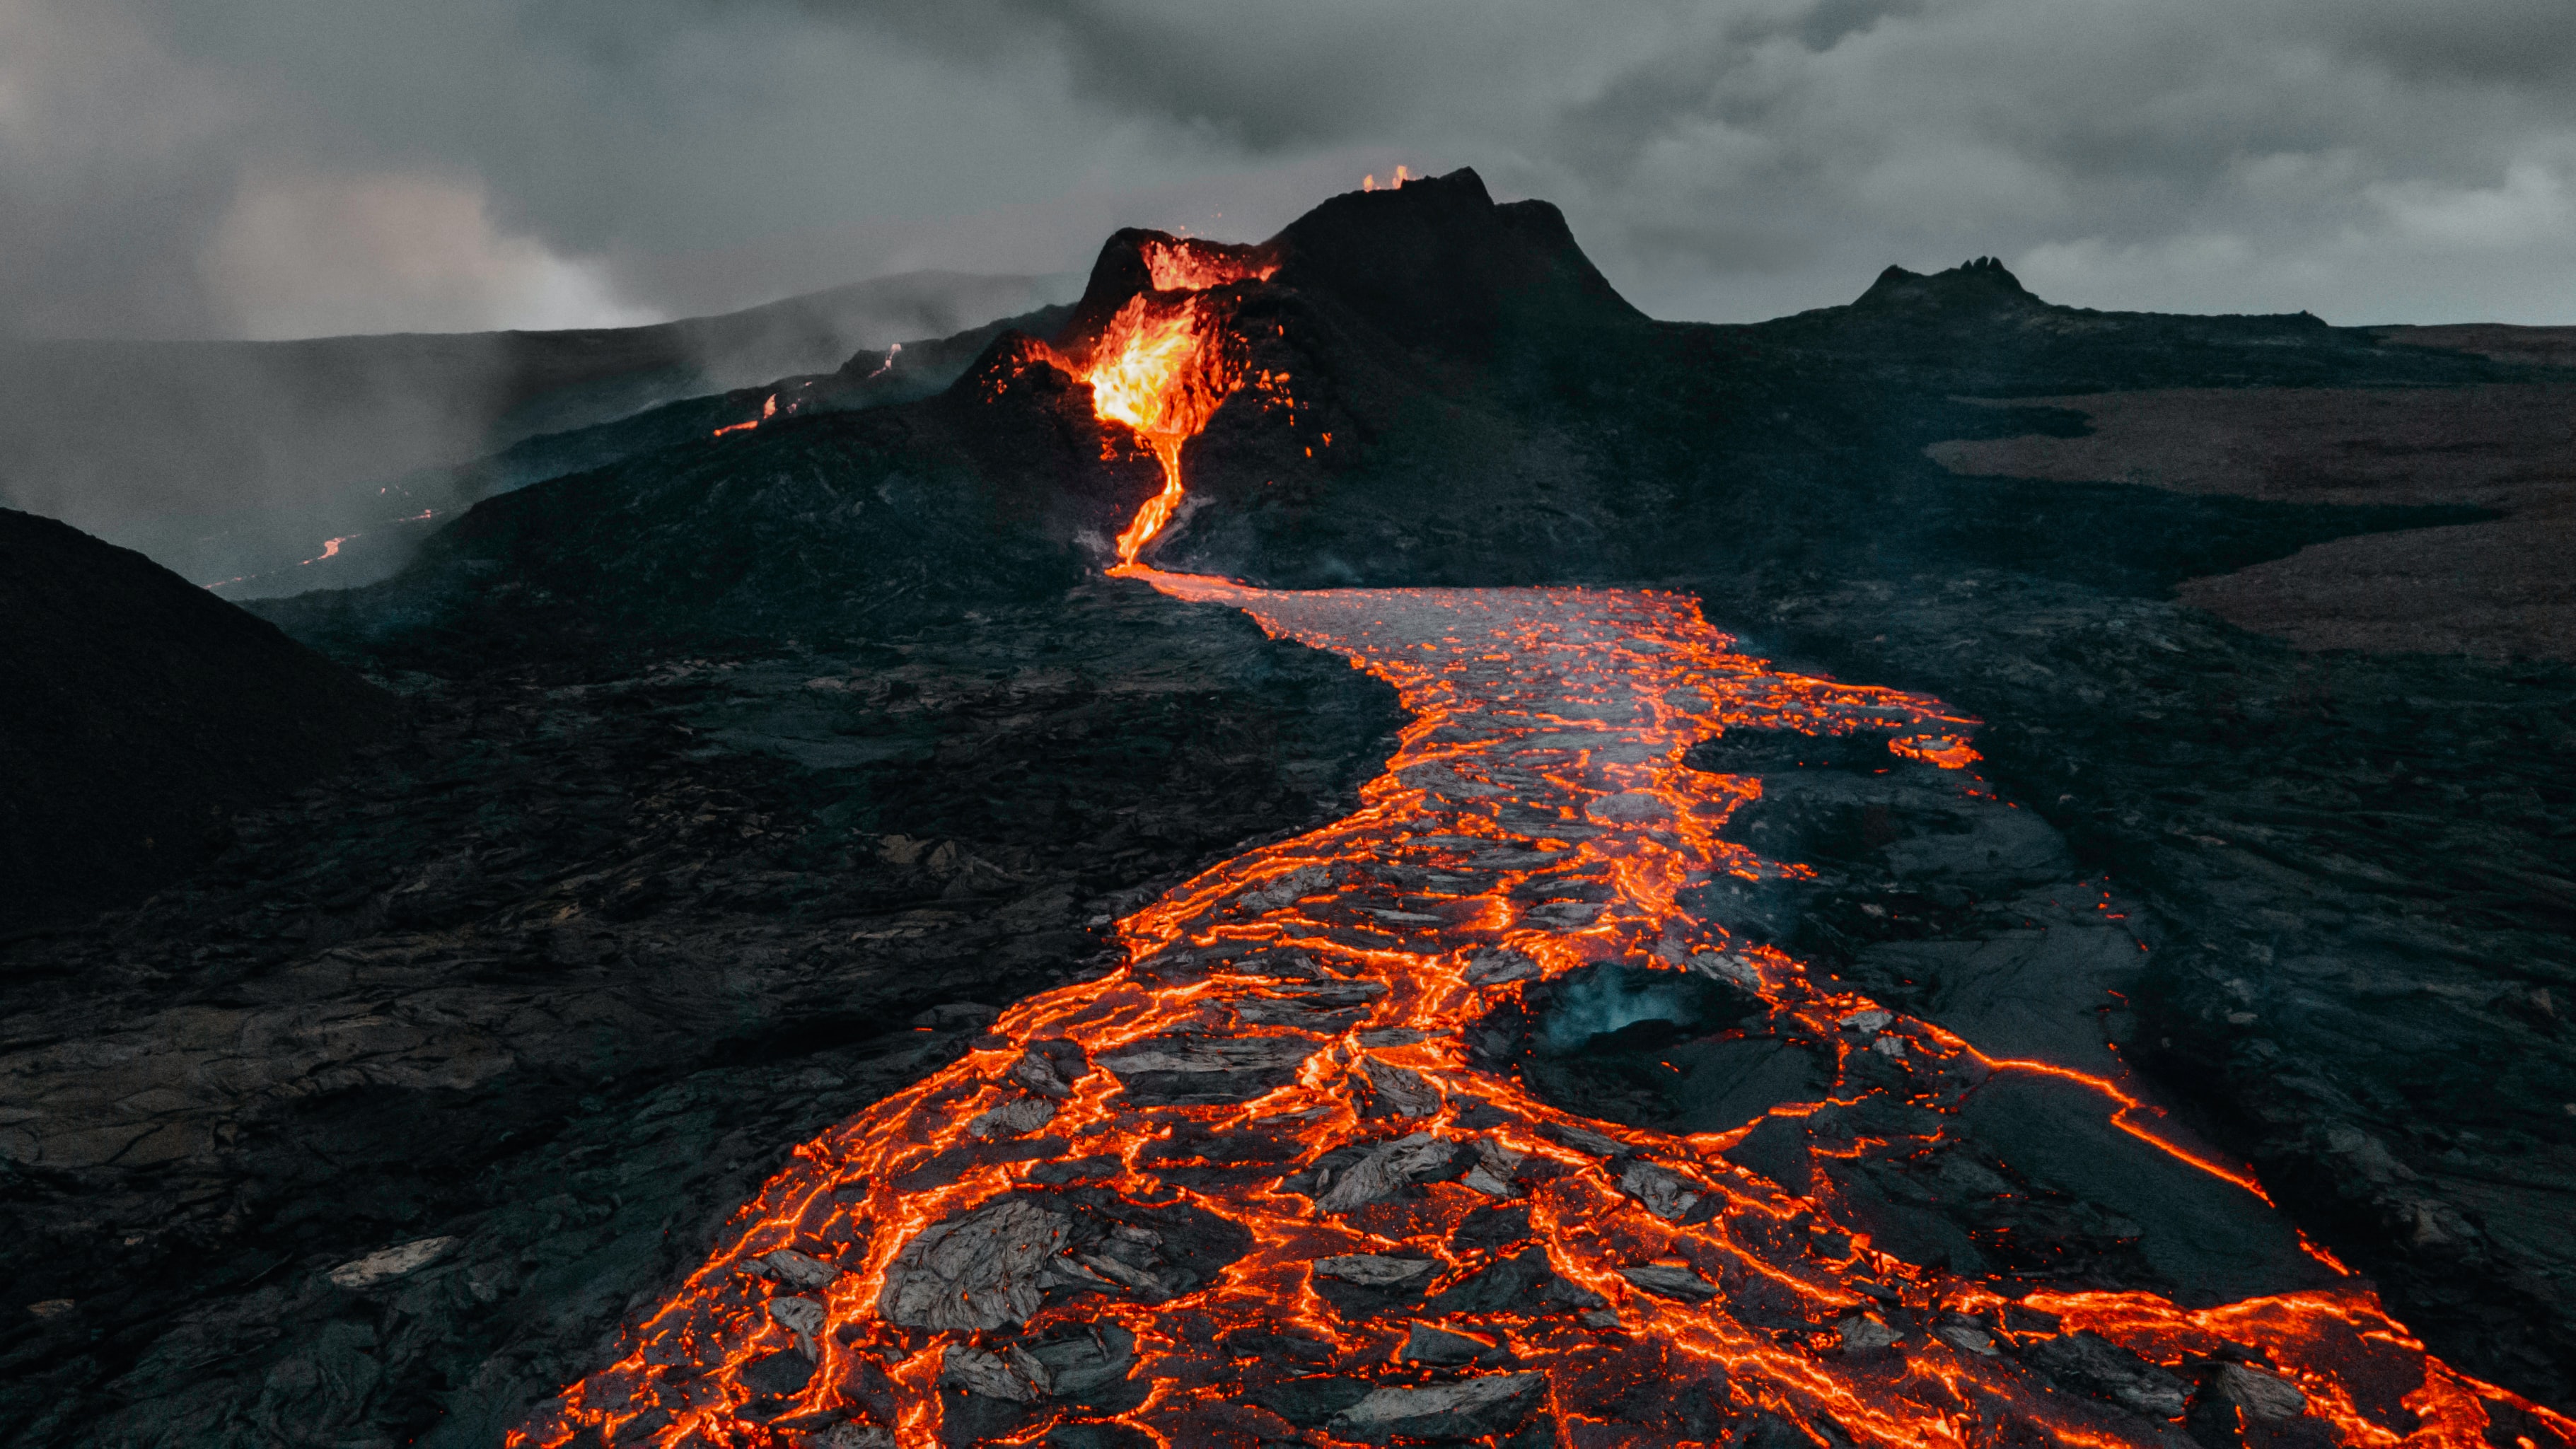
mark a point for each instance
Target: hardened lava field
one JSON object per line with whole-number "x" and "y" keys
{"x": 1259, "y": 1185}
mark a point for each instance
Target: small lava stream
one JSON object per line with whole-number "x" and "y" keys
{"x": 1254, "y": 1186}
{"x": 1163, "y": 367}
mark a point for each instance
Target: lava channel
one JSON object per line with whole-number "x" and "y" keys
{"x": 1165, "y": 364}
{"x": 1254, "y": 1187}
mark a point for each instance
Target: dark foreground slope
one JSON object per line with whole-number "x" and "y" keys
{"x": 534, "y": 994}
{"x": 737, "y": 784}
{"x": 136, "y": 714}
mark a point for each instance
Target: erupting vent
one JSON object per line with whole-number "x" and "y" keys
{"x": 1163, "y": 366}
{"x": 1254, "y": 1187}
{"x": 1184, "y": 266}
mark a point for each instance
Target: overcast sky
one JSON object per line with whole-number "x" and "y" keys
{"x": 278, "y": 168}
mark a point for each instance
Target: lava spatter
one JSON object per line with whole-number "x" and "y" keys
{"x": 1254, "y": 1186}
{"x": 1178, "y": 264}
{"x": 1164, "y": 364}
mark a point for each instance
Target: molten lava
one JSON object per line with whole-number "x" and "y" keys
{"x": 1179, "y": 265}
{"x": 768, "y": 410}
{"x": 1255, "y": 1186}
{"x": 1164, "y": 366}
{"x": 1154, "y": 371}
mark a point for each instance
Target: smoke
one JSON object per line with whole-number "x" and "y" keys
{"x": 1578, "y": 1008}
{"x": 237, "y": 461}
{"x": 311, "y": 256}
{"x": 172, "y": 169}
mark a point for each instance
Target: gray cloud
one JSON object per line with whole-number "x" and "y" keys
{"x": 258, "y": 167}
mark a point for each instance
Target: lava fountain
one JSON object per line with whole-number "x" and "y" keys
{"x": 1260, "y": 1185}
{"x": 1164, "y": 365}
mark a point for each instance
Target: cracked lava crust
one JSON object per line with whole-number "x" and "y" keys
{"x": 1256, "y": 1186}
{"x": 1262, "y": 1184}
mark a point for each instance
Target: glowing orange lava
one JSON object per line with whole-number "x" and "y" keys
{"x": 1254, "y": 1187}
{"x": 1163, "y": 367}
{"x": 768, "y": 410}
{"x": 1181, "y": 266}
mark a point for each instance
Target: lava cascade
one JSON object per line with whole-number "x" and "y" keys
{"x": 1253, "y": 1186}
{"x": 1164, "y": 364}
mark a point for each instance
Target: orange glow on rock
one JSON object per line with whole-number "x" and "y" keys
{"x": 1164, "y": 366}
{"x": 1154, "y": 371}
{"x": 1180, "y": 265}
{"x": 1949, "y": 751}
{"x": 768, "y": 410}
{"x": 1259, "y": 1166}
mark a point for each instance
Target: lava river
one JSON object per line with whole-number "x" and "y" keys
{"x": 1255, "y": 1187}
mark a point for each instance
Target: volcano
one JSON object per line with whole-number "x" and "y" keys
{"x": 1777, "y": 936}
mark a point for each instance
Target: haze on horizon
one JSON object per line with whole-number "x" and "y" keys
{"x": 283, "y": 168}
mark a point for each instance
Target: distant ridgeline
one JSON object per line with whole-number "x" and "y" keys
{"x": 232, "y": 462}
{"x": 1426, "y": 387}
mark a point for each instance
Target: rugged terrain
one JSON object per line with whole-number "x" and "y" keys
{"x": 552, "y": 977}
{"x": 693, "y": 739}
{"x": 2497, "y": 587}
{"x": 2355, "y": 873}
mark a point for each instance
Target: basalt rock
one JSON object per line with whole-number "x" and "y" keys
{"x": 1181, "y": 1069}
{"x": 1475, "y": 1409}
{"x": 2386, "y": 824}
{"x": 1414, "y": 344}
{"x": 555, "y": 974}
{"x": 981, "y": 1270}
{"x": 2105, "y": 1370}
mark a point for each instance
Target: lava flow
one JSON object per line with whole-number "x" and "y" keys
{"x": 768, "y": 410}
{"x": 1163, "y": 366}
{"x": 1258, "y": 1185}
{"x": 1269, "y": 1181}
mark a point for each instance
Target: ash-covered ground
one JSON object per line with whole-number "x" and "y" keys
{"x": 720, "y": 764}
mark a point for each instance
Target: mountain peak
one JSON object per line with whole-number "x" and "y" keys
{"x": 1978, "y": 284}
{"x": 1434, "y": 262}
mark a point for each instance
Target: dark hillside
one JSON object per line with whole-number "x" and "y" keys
{"x": 136, "y": 713}
{"x": 1002, "y": 490}
{"x": 1545, "y": 431}
{"x": 553, "y": 976}
{"x": 111, "y": 434}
